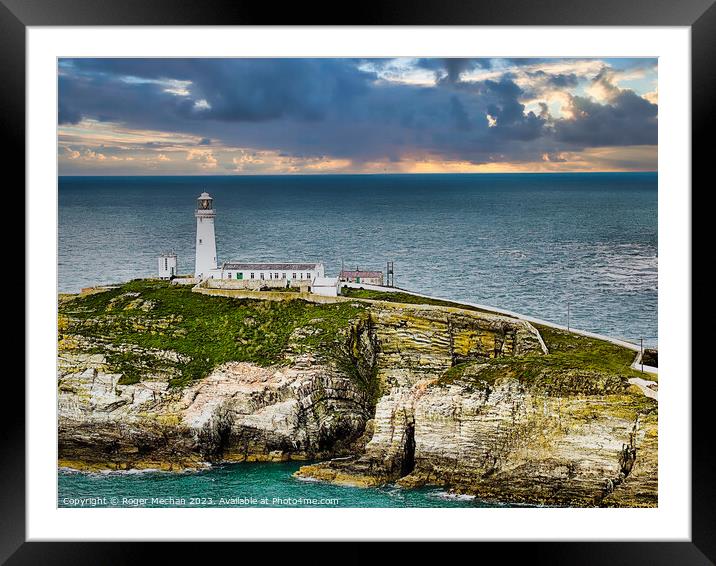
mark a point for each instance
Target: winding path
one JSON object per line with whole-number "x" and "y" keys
{"x": 646, "y": 387}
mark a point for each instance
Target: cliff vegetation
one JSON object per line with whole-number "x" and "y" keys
{"x": 205, "y": 332}
{"x": 405, "y": 298}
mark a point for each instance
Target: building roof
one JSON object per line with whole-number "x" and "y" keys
{"x": 270, "y": 266}
{"x": 354, "y": 274}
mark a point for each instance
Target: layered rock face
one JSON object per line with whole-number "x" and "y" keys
{"x": 418, "y": 342}
{"x": 239, "y": 412}
{"x": 125, "y": 405}
{"x": 560, "y": 437}
{"x": 505, "y": 442}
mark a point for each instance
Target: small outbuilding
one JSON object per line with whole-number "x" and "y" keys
{"x": 359, "y": 276}
{"x": 325, "y": 286}
{"x": 167, "y": 265}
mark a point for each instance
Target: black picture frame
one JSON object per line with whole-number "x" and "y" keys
{"x": 17, "y": 15}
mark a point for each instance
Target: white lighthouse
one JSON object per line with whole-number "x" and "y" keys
{"x": 205, "y": 238}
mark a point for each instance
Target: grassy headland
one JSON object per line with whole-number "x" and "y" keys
{"x": 130, "y": 322}
{"x": 575, "y": 365}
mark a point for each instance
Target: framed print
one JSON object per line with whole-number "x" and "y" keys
{"x": 426, "y": 276}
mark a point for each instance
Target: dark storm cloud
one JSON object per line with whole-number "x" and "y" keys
{"x": 628, "y": 119}
{"x": 462, "y": 120}
{"x": 319, "y": 107}
{"x": 67, "y": 115}
{"x": 558, "y": 80}
{"x": 236, "y": 90}
{"x": 106, "y": 97}
{"x": 450, "y": 69}
{"x": 523, "y": 61}
{"x": 501, "y": 103}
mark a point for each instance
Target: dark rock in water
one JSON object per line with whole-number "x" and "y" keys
{"x": 651, "y": 357}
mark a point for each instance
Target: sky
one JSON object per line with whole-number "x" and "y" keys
{"x": 133, "y": 116}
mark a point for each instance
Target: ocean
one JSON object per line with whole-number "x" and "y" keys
{"x": 531, "y": 243}
{"x": 239, "y": 485}
{"x": 537, "y": 244}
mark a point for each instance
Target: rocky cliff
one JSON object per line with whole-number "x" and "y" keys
{"x": 154, "y": 376}
{"x": 285, "y": 381}
{"x": 503, "y": 439}
{"x": 565, "y": 429}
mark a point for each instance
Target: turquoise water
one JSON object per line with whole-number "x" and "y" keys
{"x": 524, "y": 242}
{"x": 238, "y": 485}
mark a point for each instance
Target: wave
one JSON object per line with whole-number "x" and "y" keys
{"x": 307, "y": 479}
{"x": 131, "y": 472}
{"x": 449, "y": 495}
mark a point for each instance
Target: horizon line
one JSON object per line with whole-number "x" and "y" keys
{"x": 366, "y": 174}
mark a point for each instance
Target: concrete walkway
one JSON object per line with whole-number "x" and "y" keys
{"x": 636, "y": 364}
{"x": 646, "y": 387}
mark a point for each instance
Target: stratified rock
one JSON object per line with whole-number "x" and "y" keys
{"x": 511, "y": 441}
{"x": 419, "y": 342}
{"x": 239, "y": 412}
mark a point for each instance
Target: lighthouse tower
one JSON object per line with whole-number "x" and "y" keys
{"x": 205, "y": 239}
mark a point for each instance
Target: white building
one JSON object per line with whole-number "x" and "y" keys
{"x": 359, "y": 276}
{"x": 167, "y": 265}
{"x": 326, "y": 286}
{"x": 285, "y": 272}
{"x": 205, "y": 237}
{"x": 244, "y": 275}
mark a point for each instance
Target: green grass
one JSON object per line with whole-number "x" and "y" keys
{"x": 588, "y": 353}
{"x": 401, "y": 297}
{"x": 575, "y": 365}
{"x": 206, "y": 330}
